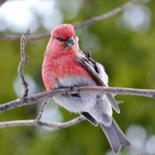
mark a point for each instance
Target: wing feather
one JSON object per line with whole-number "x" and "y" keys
{"x": 93, "y": 68}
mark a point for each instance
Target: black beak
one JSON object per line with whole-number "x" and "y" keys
{"x": 70, "y": 42}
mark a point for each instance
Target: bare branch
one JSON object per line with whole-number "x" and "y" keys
{"x": 112, "y": 90}
{"x": 117, "y": 10}
{"x": 42, "y": 107}
{"x": 17, "y": 37}
{"x": 23, "y": 41}
{"x": 41, "y": 123}
{"x": 2, "y": 2}
{"x": 84, "y": 24}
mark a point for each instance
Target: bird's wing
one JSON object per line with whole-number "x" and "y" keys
{"x": 97, "y": 71}
{"x": 90, "y": 118}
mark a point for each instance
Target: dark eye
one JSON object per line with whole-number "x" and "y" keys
{"x": 60, "y": 39}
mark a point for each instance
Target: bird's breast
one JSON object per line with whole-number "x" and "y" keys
{"x": 62, "y": 67}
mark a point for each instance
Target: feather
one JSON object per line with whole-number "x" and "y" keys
{"x": 89, "y": 118}
{"x": 115, "y": 136}
{"x": 91, "y": 66}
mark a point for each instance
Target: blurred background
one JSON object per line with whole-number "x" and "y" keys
{"x": 124, "y": 44}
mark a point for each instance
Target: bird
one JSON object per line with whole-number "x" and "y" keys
{"x": 65, "y": 65}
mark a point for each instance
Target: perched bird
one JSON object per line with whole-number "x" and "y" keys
{"x": 66, "y": 66}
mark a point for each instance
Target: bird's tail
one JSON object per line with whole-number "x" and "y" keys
{"x": 115, "y": 136}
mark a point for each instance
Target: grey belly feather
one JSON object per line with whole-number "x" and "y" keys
{"x": 94, "y": 106}
{"x": 94, "y": 103}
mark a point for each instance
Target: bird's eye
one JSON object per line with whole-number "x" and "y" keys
{"x": 68, "y": 42}
{"x": 61, "y": 40}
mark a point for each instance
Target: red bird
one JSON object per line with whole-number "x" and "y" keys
{"x": 66, "y": 66}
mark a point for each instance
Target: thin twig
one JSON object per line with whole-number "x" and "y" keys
{"x": 42, "y": 108}
{"x": 23, "y": 41}
{"x": 41, "y": 123}
{"x": 17, "y": 37}
{"x": 112, "y": 90}
{"x": 117, "y": 10}
{"x": 2, "y": 2}
{"x": 84, "y": 24}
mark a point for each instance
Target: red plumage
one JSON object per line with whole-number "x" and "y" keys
{"x": 60, "y": 61}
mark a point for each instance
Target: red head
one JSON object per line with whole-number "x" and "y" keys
{"x": 62, "y": 38}
{"x": 64, "y": 31}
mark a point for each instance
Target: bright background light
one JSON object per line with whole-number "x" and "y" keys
{"x": 18, "y": 15}
{"x": 136, "y": 18}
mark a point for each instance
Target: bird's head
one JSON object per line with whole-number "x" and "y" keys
{"x": 65, "y": 35}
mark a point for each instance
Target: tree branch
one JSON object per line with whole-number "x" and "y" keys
{"x": 17, "y": 37}
{"x": 117, "y": 10}
{"x": 2, "y": 2}
{"x": 112, "y": 90}
{"x": 42, "y": 108}
{"x": 23, "y": 41}
{"x": 36, "y": 123}
{"x": 84, "y": 24}
{"x": 40, "y": 96}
